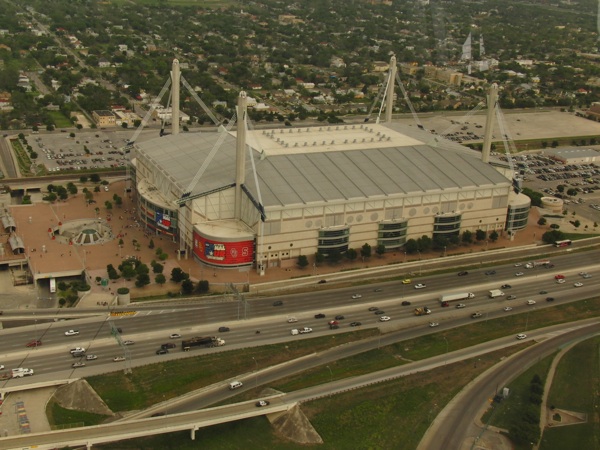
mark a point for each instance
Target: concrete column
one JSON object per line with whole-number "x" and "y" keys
{"x": 240, "y": 159}
{"x": 175, "y": 84}
{"x": 389, "y": 105}
{"x": 492, "y": 99}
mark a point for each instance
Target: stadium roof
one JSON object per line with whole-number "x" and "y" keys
{"x": 323, "y": 164}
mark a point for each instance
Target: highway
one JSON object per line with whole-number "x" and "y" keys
{"x": 150, "y": 326}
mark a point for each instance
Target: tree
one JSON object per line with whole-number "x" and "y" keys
{"x": 334, "y": 255}
{"x": 151, "y": 244}
{"x": 480, "y": 235}
{"x": 365, "y": 251}
{"x": 467, "y": 237}
{"x": 351, "y": 254}
{"x": 424, "y": 243}
{"x": 112, "y": 272}
{"x": 380, "y": 250}
{"x": 108, "y": 205}
{"x": 542, "y": 221}
{"x": 550, "y": 237}
{"x": 411, "y": 246}
{"x": 554, "y": 226}
{"x": 142, "y": 280}
{"x": 536, "y": 197}
{"x": 178, "y": 275}
{"x": 319, "y": 258}
{"x": 302, "y": 261}
{"x": 95, "y": 178}
{"x": 128, "y": 271}
{"x": 494, "y": 236}
{"x": 571, "y": 192}
{"x": 160, "y": 279}
{"x": 577, "y": 224}
{"x": 202, "y": 287}
{"x": 187, "y": 287}
{"x": 560, "y": 188}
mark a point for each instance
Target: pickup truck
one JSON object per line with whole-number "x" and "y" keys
{"x": 476, "y": 315}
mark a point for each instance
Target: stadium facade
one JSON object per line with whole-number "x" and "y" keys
{"x": 241, "y": 197}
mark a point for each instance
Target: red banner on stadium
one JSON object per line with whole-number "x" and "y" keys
{"x": 223, "y": 253}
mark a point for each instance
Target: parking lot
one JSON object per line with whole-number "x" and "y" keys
{"x": 89, "y": 149}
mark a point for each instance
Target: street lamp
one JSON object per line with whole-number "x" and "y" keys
{"x": 330, "y": 373}
{"x": 255, "y": 373}
{"x": 444, "y": 251}
{"x": 404, "y": 256}
{"x": 446, "y": 359}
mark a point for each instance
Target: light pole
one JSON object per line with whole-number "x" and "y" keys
{"x": 255, "y": 373}
{"x": 330, "y": 373}
{"x": 446, "y": 359}
{"x": 444, "y": 251}
{"x": 404, "y": 256}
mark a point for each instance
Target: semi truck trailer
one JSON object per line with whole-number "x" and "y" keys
{"x": 456, "y": 297}
{"x": 208, "y": 341}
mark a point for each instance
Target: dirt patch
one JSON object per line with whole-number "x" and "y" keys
{"x": 563, "y": 417}
{"x": 296, "y": 427}
{"x": 80, "y": 396}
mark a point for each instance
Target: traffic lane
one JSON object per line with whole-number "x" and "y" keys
{"x": 455, "y": 423}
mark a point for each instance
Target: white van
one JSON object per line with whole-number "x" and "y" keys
{"x": 295, "y": 332}
{"x": 234, "y": 385}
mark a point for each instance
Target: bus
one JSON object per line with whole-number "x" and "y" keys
{"x": 52, "y": 285}
{"x": 564, "y": 243}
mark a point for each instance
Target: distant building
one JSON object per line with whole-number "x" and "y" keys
{"x": 574, "y": 155}
{"x": 104, "y": 118}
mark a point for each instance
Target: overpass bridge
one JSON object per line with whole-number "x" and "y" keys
{"x": 116, "y": 431}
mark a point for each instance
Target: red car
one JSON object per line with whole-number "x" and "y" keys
{"x": 559, "y": 277}
{"x": 35, "y": 343}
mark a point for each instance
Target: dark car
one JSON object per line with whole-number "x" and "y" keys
{"x": 405, "y": 303}
{"x": 373, "y": 308}
{"x": 505, "y": 286}
{"x": 319, "y": 316}
{"x": 168, "y": 345}
{"x": 543, "y": 292}
{"x": 223, "y": 329}
{"x": 549, "y": 299}
{"x": 355, "y": 324}
{"x": 463, "y": 273}
{"x": 379, "y": 312}
{"x": 278, "y": 303}
{"x": 322, "y": 281}
{"x": 157, "y": 414}
{"x": 491, "y": 272}
{"x": 339, "y": 317}
{"x": 162, "y": 351}
{"x": 377, "y": 290}
{"x": 35, "y": 343}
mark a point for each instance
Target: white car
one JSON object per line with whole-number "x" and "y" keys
{"x": 292, "y": 320}
{"x": 91, "y": 357}
{"x": 78, "y": 364}
{"x": 531, "y": 302}
{"x": 355, "y": 296}
{"x": 578, "y": 284}
{"x": 507, "y": 308}
{"x": 175, "y": 336}
{"x": 460, "y": 305}
{"x": 434, "y": 324}
{"x": 385, "y": 318}
{"x": 1, "y": 366}
{"x": 118, "y": 358}
{"x": 518, "y": 264}
{"x": 561, "y": 281}
{"x": 71, "y": 333}
{"x": 519, "y": 274}
{"x": 521, "y": 336}
{"x": 586, "y": 276}
{"x": 78, "y": 350}
{"x": 420, "y": 286}
{"x": 305, "y": 330}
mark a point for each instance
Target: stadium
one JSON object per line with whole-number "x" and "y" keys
{"x": 261, "y": 198}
